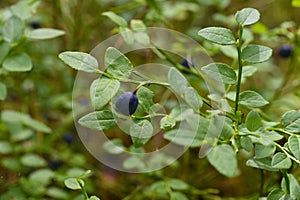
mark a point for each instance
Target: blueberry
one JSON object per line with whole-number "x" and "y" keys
{"x": 187, "y": 62}
{"x": 69, "y": 138}
{"x": 35, "y": 24}
{"x": 55, "y": 163}
{"x": 285, "y": 50}
{"x": 127, "y": 103}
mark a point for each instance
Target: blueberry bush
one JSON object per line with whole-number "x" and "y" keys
{"x": 225, "y": 105}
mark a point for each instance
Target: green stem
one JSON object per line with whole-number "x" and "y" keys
{"x": 286, "y": 153}
{"x": 280, "y": 130}
{"x": 238, "y": 87}
{"x": 262, "y": 181}
{"x": 86, "y": 197}
{"x": 287, "y": 180}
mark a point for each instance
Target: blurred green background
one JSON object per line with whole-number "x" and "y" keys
{"x": 45, "y": 93}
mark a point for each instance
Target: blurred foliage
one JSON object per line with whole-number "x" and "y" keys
{"x": 34, "y": 163}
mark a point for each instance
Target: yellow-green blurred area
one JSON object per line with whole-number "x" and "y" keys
{"x": 34, "y": 165}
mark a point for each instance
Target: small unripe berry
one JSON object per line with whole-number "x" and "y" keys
{"x": 127, "y": 103}
{"x": 188, "y": 63}
{"x": 285, "y": 50}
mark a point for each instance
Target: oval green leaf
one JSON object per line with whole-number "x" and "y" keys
{"x": 79, "y": 61}
{"x": 45, "y": 33}
{"x": 256, "y": 53}
{"x": 294, "y": 146}
{"x": 220, "y": 72}
{"x": 98, "y": 120}
{"x": 115, "y": 18}
{"x": 19, "y": 62}
{"x": 253, "y": 121}
{"x": 3, "y": 91}
{"x": 218, "y": 35}
{"x": 177, "y": 81}
{"x": 291, "y": 121}
{"x": 141, "y": 132}
{"x": 252, "y": 99}
{"x": 281, "y": 161}
{"x": 117, "y": 64}
{"x": 223, "y": 158}
{"x": 102, "y": 90}
{"x": 247, "y": 16}
{"x": 13, "y": 29}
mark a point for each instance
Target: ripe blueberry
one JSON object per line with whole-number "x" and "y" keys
{"x": 55, "y": 163}
{"x": 188, "y": 63}
{"x": 127, "y": 103}
{"x": 35, "y": 24}
{"x": 69, "y": 138}
{"x": 285, "y": 50}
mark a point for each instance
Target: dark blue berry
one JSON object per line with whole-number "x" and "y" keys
{"x": 188, "y": 63}
{"x": 55, "y": 163}
{"x": 285, "y": 51}
{"x": 69, "y": 138}
{"x": 35, "y": 24}
{"x": 127, "y": 103}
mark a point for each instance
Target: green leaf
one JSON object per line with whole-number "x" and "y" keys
{"x": 24, "y": 9}
{"x": 223, "y": 158}
{"x": 276, "y": 194}
{"x": 3, "y": 91}
{"x": 127, "y": 34}
{"x": 253, "y": 121}
{"x": 56, "y": 193}
{"x": 102, "y": 91}
{"x": 141, "y": 131}
{"x": 220, "y": 72}
{"x": 192, "y": 98}
{"x": 137, "y": 24}
{"x": 265, "y": 137}
{"x": 263, "y": 163}
{"x": 145, "y": 98}
{"x": 247, "y": 16}
{"x": 246, "y": 143}
{"x": 294, "y": 146}
{"x": 133, "y": 163}
{"x": 183, "y": 137}
{"x": 291, "y": 121}
{"x": 114, "y": 146}
{"x": 256, "y": 53}
{"x": 177, "y": 184}
{"x": 17, "y": 117}
{"x": 45, "y": 33}
{"x": 217, "y": 35}
{"x": 262, "y": 151}
{"x": 33, "y": 160}
{"x": 73, "y": 184}
{"x": 79, "y": 61}
{"x": 252, "y": 99}
{"x": 94, "y": 198}
{"x": 13, "y": 29}
{"x": 98, "y": 120}
{"x": 281, "y": 161}
{"x": 179, "y": 196}
{"x": 115, "y": 18}
{"x": 5, "y": 147}
{"x": 294, "y": 186}
{"x": 167, "y": 123}
{"x": 42, "y": 176}
{"x": 19, "y": 62}
{"x": 117, "y": 64}
{"x": 177, "y": 81}
{"x": 4, "y": 50}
